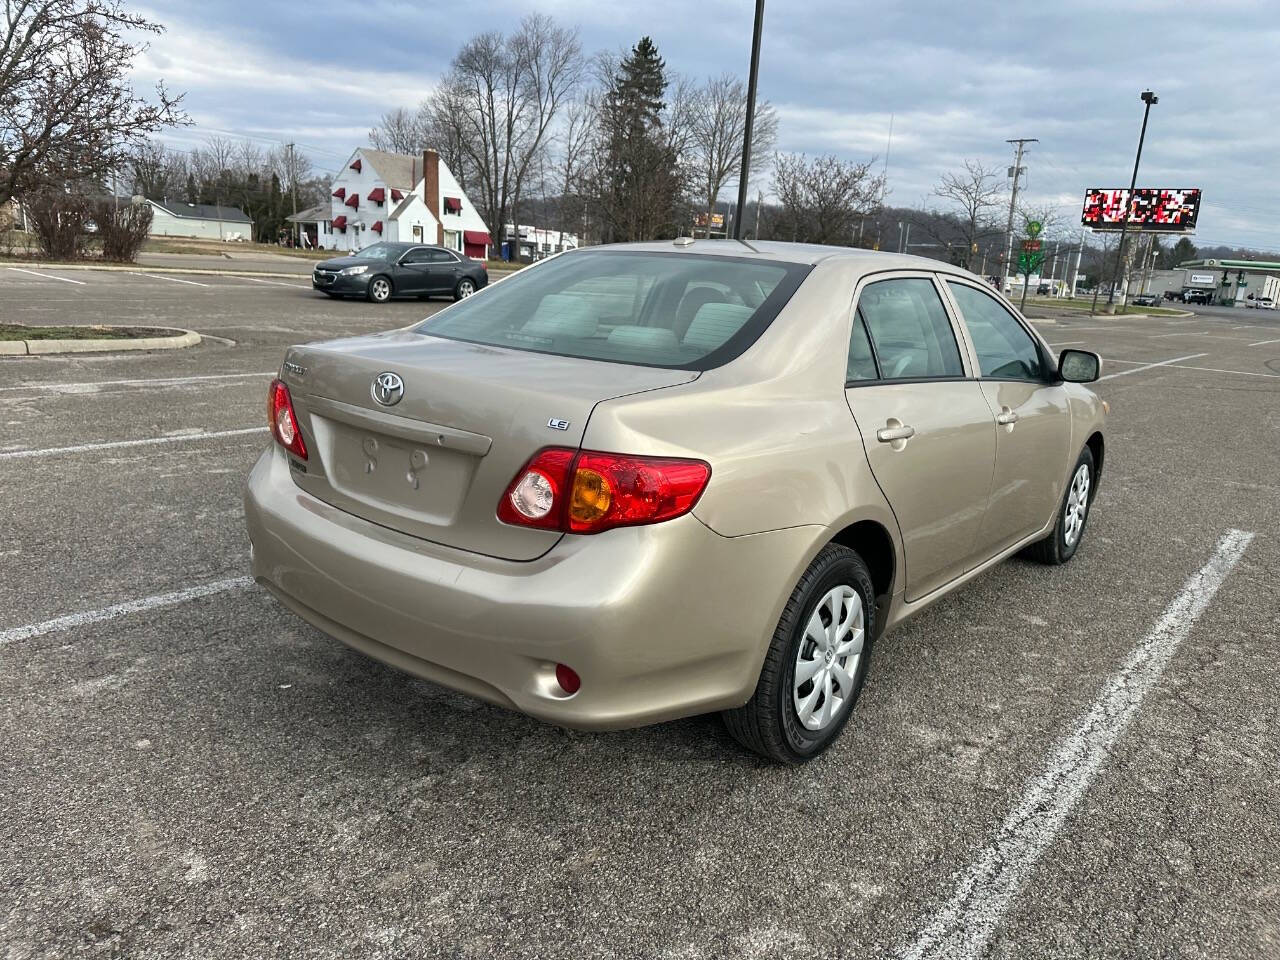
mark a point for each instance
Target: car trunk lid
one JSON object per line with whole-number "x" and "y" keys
{"x": 435, "y": 463}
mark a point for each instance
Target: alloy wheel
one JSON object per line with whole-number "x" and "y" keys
{"x": 827, "y": 660}
{"x": 1077, "y": 505}
{"x": 381, "y": 289}
{"x": 465, "y": 289}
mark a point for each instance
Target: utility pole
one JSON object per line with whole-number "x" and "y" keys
{"x": 1013, "y": 202}
{"x": 1150, "y": 99}
{"x": 750, "y": 120}
{"x": 1076, "y": 272}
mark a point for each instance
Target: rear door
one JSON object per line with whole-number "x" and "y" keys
{"x": 445, "y": 268}
{"x": 1033, "y": 419}
{"x": 926, "y": 428}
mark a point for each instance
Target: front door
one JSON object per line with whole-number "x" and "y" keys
{"x": 1033, "y": 419}
{"x": 926, "y": 427}
{"x": 413, "y": 273}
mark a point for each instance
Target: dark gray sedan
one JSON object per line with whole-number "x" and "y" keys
{"x": 387, "y": 270}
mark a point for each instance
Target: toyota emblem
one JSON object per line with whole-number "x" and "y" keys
{"x": 388, "y": 388}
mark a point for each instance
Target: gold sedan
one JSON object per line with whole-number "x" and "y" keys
{"x": 640, "y": 482}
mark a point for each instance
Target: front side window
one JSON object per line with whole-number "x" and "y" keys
{"x": 909, "y": 329}
{"x": 1005, "y": 350}
{"x": 650, "y": 309}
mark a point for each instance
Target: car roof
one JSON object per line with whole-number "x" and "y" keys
{"x": 806, "y": 253}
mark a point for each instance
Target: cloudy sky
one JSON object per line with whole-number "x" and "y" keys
{"x": 958, "y": 79}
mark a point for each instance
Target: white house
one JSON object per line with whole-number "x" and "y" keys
{"x": 206, "y": 221}
{"x": 393, "y": 196}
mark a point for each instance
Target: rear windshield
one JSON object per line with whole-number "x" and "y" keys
{"x": 649, "y": 309}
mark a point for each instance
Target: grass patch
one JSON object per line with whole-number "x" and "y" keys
{"x": 16, "y": 331}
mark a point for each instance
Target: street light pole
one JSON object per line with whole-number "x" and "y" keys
{"x": 1150, "y": 99}
{"x": 750, "y": 122}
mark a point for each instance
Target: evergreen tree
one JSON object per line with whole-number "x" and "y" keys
{"x": 638, "y": 179}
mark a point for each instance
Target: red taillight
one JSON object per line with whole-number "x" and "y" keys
{"x": 589, "y": 491}
{"x": 282, "y": 420}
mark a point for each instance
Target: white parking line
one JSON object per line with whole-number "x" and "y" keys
{"x": 964, "y": 927}
{"x": 48, "y": 276}
{"x": 156, "y": 276}
{"x": 1261, "y": 343}
{"x": 1187, "y": 366}
{"x": 1148, "y": 366}
{"x": 278, "y": 283}
{"x": 118, "y": 444}
{"x": 150, "y": 382}
{"x": 1068, "y": 343}
{"x": 1196, "y": 333}
{"x": 85, "y": 617}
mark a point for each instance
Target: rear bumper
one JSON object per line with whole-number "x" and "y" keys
{"x": 660, "y": 622}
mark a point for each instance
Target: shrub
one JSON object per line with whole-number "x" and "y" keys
{"x": 59, "y": 220}
{"x": 122, "y": 229}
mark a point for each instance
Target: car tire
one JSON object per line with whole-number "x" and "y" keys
{"x": 771, "y": 723}
{"x": 1068, "y": 529}
{"x": 380, "y": 289}
{"x": 465, "y": 288}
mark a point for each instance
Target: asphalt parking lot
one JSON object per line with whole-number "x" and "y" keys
{"x": 1063, "y": 762}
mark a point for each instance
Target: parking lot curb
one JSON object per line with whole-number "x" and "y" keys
{"x": 180, "y": 338}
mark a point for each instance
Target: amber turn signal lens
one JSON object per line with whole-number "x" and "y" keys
{"x": 591, "y": 496}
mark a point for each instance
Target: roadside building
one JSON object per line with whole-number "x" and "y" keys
{"x": 535, "y": 243}
{"x": 394, "y": 196}
{"x": 206, "y": 221}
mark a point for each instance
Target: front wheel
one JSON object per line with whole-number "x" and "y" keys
{"x": 379, "y": 289}
{"x": 815, "y": 665}
{"x": 465, "y": 288}
{"x": 1061, "y": 545}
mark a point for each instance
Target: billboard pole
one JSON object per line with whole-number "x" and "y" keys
{"x": 1150, "y": 99}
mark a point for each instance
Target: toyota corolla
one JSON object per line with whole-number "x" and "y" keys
{"x": 641, "y": 482}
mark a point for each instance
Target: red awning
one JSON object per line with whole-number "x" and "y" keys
{"x": 339, "y": 223}
{"x": 396, "y": 195}
{"x": 476, "y": 236}
{"x": 377, "y": 195}
{"x": 356, "y": 165}
{"x": 377, "y": 225}
{"x": 353, "y": 201}
{"x": 340, "y": 192}
{"x": 453, "y": 205}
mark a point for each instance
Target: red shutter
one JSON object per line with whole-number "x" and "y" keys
{"x": 377, "y": 195}
{"x": 340, "y": 192}
{"x": 377, "y": 225}
{"x": 356, "y": 166}
{"x": 353, "y": 201}
{"x": 396, "y": 195}
{"x": 453, "y": 204}
{"x": 340, "y": 223}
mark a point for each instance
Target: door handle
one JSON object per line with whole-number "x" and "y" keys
{"x": 1006, "y": 417}
{"x": 890, "y": 434}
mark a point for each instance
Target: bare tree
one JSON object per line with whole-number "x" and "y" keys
{"x": 975, "y": 195}
{"x": 399, "y": 131}
{"x": 821, "y": 200}
{"x": 67, "y": 110}
{"x": 497, "y": 105}
{"x": 571, "y": 144}
{"x": 718, "y": 123}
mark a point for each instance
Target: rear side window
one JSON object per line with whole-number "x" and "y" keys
{"x": 909, "y": 329}
{"x": 649, "y": 309}
{"x": 1005, "y": 351}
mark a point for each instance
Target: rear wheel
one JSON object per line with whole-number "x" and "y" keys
{"x": 465, "y": 288}
{"x": 379, "y": 289}
{"x": 1061, "y": 545}
{"x": 816, "y": 663}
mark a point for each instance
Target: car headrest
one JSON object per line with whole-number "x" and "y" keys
{"x": 658, "y": 339}
{"x": 714, "y": 323}
{"x": 562, "y": 315}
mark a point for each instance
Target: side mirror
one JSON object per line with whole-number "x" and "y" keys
{"x": 1079, "y": 366}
